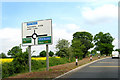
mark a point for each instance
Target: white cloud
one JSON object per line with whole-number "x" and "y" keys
{"x": 115, "y": 43}
{"x": 11, "y": 37}
{"x": 7, "y": 33}
{"x": 105, "y": 13}
{"x": 72, "y": 27}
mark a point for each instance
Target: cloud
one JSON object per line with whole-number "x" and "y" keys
{"x": 115, "y": 43}
{"x": 11, "y": 37}
{"x": 103, "y": 14}
{"x": 72, "y": 27}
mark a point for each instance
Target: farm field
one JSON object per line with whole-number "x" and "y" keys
{"x": 3, "y": 60}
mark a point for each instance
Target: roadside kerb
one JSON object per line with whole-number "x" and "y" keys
{"x": 73, "y": 70}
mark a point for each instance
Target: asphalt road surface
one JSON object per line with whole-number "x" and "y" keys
{"x": 106, "y": 69}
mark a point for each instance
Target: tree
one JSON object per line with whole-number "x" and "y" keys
{"x": 62, "y": 47}
{"x": 117, "y": 50}
{"x": 85, "y": 39}
{"x": 93, "y": 51}
{"x": 62, "y": 44}
{"x": 20, "y": 60}
{"x": 14, "y": 51}
{"x": 70, "y": 53}
{"x": 2, "y": 55}
{"x": 78, "y": 48}
{"x": 103, "y": 43}
{"x": 62, "y": 52}
{"x": 43, "y": 53}
{"x": 51, "y": 53}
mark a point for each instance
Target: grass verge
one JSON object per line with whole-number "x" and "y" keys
{"x": 54, "y": 71}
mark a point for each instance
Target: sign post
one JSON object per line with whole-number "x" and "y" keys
{"x": 37, "y": 33}
{"x": 47, "y": 56}
{"x": 29, "y": 51}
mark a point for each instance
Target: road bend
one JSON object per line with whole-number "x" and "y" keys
{"x": 106, "y": 69}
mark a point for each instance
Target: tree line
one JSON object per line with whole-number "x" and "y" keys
{"x": 16, "y": 50}
{"x": 80, "y": 45}
{"x": 82, "y": 42}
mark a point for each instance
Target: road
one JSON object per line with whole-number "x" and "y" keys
{"x": 106, "y": 69}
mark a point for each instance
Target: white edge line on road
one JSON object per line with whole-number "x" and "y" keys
{"x": 79, "y": 67}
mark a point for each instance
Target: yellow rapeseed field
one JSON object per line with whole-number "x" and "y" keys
{"x": 34, "y": 58}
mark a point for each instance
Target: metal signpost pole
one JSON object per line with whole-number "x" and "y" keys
{"x": 47, "y": 56}
{"x": 29, "y": 51}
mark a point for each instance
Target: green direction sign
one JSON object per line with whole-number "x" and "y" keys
{"x": 44, "y": 40}
{"x": 26, "y": 40}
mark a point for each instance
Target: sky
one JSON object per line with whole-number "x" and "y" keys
{"x": 67, "y": 17}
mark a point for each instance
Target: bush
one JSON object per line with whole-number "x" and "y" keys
{"x": 20, "y": 62}
{"x": 35, "y": 65}
{"x": 9, "y": 69}
{"x": 18, "y": 65}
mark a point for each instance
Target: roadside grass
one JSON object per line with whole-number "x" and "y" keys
{"x": 54, "y": 71}
{"x": 36, "y": 66}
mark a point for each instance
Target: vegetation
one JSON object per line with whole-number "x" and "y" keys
{"x": 9, "y": 69}
{"x": 77, "y": 48}
{"x": 62, "y": 48}
{"x": 85, "y": 40}
{"x": 43, "y": 53}
{"x": 117, "y": 50}
{"x": 4, "y": 60}
{"x": 2, "y": 55}
{"x": 81, "y": 44}
{"x": 103, "y": 43}
{"x": 14, "y": 51}
{"x": 51, "y": 53}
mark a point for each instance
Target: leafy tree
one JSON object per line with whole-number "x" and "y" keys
{"x": 2, "y": 55}
{"x": 103, "y": 43}
{"x": 70, "y": 53}
{"x": 118, "y": 50}
{"x": 62, "y": 52}
{"x": 78, "y": 48}
{"x": 85, "y": 39}
{"x": 93, "y": 52}
{"x": 43, "y": 53}
{"x": 14, "y": 51}
{"x": 62, "y": 44}
{"x": 51, "y": 53}
{"x": 62, "y": 47}
{"x": 20, "y": 61}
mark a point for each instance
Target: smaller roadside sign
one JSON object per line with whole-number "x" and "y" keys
{"x": 26, "y": 40}
{"x": 44, "y": 40}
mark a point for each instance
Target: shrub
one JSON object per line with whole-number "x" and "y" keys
{"x": 7, "y": 69}
{"x": 20, "y": 65}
